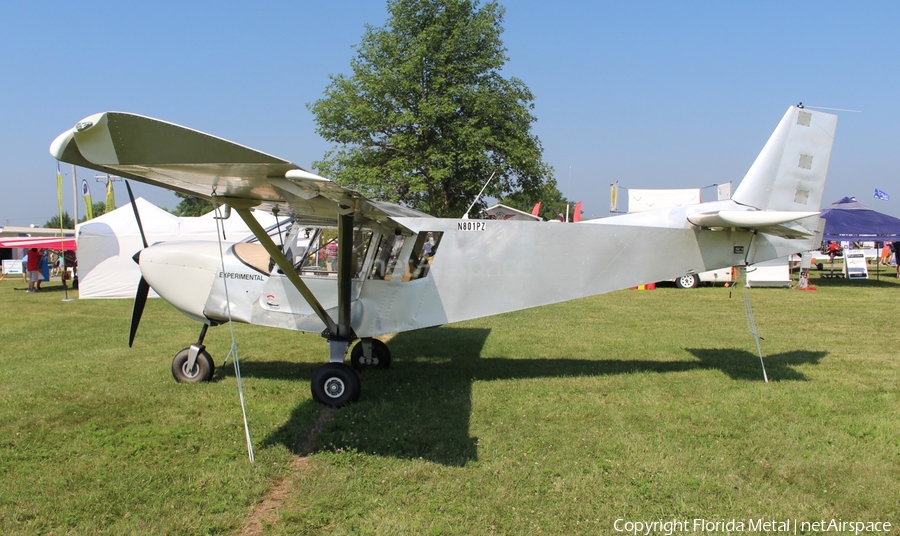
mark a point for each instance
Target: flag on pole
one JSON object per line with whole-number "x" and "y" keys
{"x": 110, "y": 197}
{"x": 59, "y": 199}
{"x": 88, "y": 206}
{"x": 881, "y": 194}
{"x": 59, "y": 194}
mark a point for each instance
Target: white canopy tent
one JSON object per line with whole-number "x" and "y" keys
{"x": 107, "y": 243}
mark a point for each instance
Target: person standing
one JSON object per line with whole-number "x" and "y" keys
{"x": 33, "y": 266}
{"x": 897, "y": 256}
{"x": 886, "y": 254}
{"x": 331, "y": 253}
{"x": 44, "y": 269}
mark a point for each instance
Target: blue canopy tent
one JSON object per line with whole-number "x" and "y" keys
{"x": 850, "y": 220}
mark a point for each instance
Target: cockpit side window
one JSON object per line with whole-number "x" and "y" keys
{"x": 422, "y": 256}
{"x": 320, "y": 257}
{"x": 254, "y": 255}
{"x": 386, "y": 256}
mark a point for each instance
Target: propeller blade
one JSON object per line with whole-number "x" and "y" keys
{"x": 143, "y": 289}
{"x": 137, "y": 216}
{"x": 140, "y": 299}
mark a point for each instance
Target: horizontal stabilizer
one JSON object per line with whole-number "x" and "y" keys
{"x": 773, "y": 222}
{"x": 749, "y": 219}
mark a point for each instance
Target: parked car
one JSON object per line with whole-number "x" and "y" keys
{"x": 712, "y": 277}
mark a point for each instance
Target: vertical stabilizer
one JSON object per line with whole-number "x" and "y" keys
{"x": 789, "y": 174}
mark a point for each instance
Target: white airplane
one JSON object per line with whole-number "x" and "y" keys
{"x": 395, "y": 269}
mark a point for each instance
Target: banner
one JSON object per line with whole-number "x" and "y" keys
{"x": 59, "y": 193}
{"x": 614, "y": 197}
{"x": 88, "y": 206}
{"x": 110, "y": 197}
{"x": 643, "y": 200}
{"x": 59, "y": 199}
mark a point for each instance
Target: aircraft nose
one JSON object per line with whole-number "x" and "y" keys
{"x": 182, "y": 273}
{"x": 137, "y": 258}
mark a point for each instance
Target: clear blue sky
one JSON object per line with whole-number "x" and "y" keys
{"x": 652, "y": 94}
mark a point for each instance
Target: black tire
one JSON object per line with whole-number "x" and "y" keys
{"x": 688, "y": 281}
{"x": 203, "y": 370}
{"x": 335, "y": 385}
{"x": 380, "y": 351}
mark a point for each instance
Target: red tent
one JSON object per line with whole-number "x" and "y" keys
{"x": 43, "y": 242}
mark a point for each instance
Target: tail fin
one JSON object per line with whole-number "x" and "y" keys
{"x": 789, "y": 174}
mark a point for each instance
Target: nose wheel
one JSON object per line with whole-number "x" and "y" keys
{"x": 194, "y": 364}
{"x": 335, "y": 385}
{"x": 201, "y": 371}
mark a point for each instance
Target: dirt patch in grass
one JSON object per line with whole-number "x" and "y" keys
{"x": 266, "y": 512}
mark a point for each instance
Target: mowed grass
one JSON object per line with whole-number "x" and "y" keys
{"x": 639, "y": 405}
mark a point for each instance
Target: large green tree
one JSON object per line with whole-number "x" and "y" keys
{"x": 426, "y": 117}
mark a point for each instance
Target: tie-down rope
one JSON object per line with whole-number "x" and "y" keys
{"x": 751, "y": 323}
{"x": 234, "y": 347}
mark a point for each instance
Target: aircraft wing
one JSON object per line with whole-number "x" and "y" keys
{"x": 188, "y": 161}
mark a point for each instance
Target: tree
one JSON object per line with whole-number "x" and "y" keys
{"x": 53, "y": 223}
{"x": 99, "y": 209}
{"x": 192, "y": 206}
{"x": 426, "y": 117}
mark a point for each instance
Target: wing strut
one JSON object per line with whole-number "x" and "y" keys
{"x": 292, "y": 276}
{"x": 345, "y": 274}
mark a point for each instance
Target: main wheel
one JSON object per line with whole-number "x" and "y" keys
{"x": 335, "y": 385}
{"x": 688, "y": 281}
{"x": 381, "y": 355}
{"x": 203, "y": 370}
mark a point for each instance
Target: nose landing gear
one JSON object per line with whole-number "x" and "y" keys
{"x": 194, "y": 364}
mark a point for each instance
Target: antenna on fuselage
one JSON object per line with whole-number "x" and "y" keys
{"x": 466, "y": 215}
{"x": 801, "y": 105}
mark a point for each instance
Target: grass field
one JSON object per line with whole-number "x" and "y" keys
{"x": 635, "y": 405}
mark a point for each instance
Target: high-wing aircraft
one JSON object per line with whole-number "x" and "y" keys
{"x": 351, "y": 268}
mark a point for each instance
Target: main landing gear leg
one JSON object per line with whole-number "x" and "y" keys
{"x": 194, "y": 364}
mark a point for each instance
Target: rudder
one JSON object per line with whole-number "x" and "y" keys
{"x": 789, "y": 173}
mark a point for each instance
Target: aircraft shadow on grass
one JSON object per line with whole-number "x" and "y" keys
{"x": 48, "y": 288}
{"x": 420, "y": 408}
